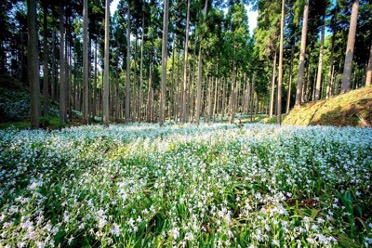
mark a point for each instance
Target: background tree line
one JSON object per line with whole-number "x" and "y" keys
{"x": 183, "y": 60}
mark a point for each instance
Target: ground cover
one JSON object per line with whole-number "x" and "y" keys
{"x": 215, "y": 185}
{"x": 351, "y": 109}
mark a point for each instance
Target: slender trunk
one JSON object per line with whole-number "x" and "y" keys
{"x": 67, "y": 71}
{"x": 127, "y": 83}
{"x": 273, "y": 87}
{"x": 180, "y": 85}
{"x": 62, "y": 93}
{"x": 331, "y": 58}
{"x": 233, "y": 95}
{"x": 199, "y": 88}
{"x": 306, "y": 84}
{"x": 215, "y": 105}
{"x": 106, "y": 78}
{"x": 140, "y": 98}
{"x": 314, "y": 85}
{"x": 198, "y": 100}
{"x": 302, "y": 55}
{"x": 211, "y": 91}
{"x": 85, "y": 62}
{"x": 192, "y": 78}
{"x": 33, "y": 64}
{"x": 369, "y": 68}
{"x": 350, "y": 49}
{"x": 290, "y": 80}
{"x": 185, "y": 59}
{"x": 53, "y": 84}
{"x": 94, "y": 110}
{"x": 164, "y": 62}
{"x": 252, "y": 95}
{"x": 149, "y": 96}
{"x": 45, "y": 58}
{"x": 320, "y": 65}
{"x": 173, "y": 93}
{"x": 223, "y": 99}
{"x": 135, "y": 98}
{"x": 280, "y": 79}
{"x": 117, "y": 93}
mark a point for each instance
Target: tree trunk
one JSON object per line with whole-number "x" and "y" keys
{"x": 331, "y": 66}
{"x": 215, "y": 105}
{"x": 369, "y": 68}
{"x": 185, "y": 59}
{"x": 350, "y": 49}
{"x": 280, "y": 79}
{"x": 140, "y": 98}
{"x": 199, "y": 88}
{"x": 62, "y": 93}
{"x": 135, "y": 98}
{"x": 85, "y": 63}
{"x": 94, "y": 107}
{"x": 53, "y": 84}
{"x": 320, "y": 65}
{"x": 173, "y": 90}
{"x": 164, "y": 63}
{"x": 106, "y": 78}
{"x": 149, "y": 95}
{"x": 127, "y": 84}
{"x": 233, "y": 94}
{"x": 45, "y": 58}
{"x": 290, "y": 80}
{"x": 223, "y": 99}
{"x": 33, "y": 64}
{"x": 252, "y": 95}
{"x": 272, "y": 87}
{"x": 302, "y": 55}
{"x": 198, "y": 100}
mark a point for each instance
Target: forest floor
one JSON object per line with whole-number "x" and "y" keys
{"x": 216, "y": 185}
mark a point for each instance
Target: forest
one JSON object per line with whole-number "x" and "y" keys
{"x": 176, "y": 124}
{"x": 183, "y": 60}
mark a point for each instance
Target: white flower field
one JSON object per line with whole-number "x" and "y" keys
{"x": 216, "y": 185}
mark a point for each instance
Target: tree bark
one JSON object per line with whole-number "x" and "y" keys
{"x": 185, "y": 60}
{"x": 33, "y": 64}
{"x": 106, "y": 78}
{"x": 320, "y": 65}
{"x": 200, "y": 64}
{"x": 134, "y": 93}
{"x": 290, "y": 80}
{"x": 273, "y": 87}
{"x": 164, "y": 63}
{"x": 302, "y": 55}
{"x": 233, "y": 94}
{"x": 350, "y": 49}
{"x": 149, "y": 95}
{"x": 280, "y": 79}
{"x": 331, "y": 58}
{"x": 85, "y": 62}
{"x": 53, "y": 83}
{"x": 127, "y": 84}
{"x": 94, "y": 107}
{"x": 62, "y": 93}
{"x": 140, "y": 98}
{"x": 45, "y": 58}
{"x": 223, "y": 99}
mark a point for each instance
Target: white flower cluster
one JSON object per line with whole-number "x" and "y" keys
{"x": 184, "y": 186}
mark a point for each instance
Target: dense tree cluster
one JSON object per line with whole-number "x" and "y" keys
{"x": 156, "y": 60}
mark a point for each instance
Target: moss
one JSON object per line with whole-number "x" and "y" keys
{"x": 341, "y": 110}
